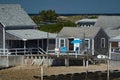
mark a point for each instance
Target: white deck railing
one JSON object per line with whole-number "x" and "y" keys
{"x": 16, "y": 51}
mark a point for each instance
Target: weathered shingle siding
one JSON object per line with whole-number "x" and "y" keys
{"x": 1, "y": 36}
{"x": 91, "y": 44}
{"x": 97, "y": 43}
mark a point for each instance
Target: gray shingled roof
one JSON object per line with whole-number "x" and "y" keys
{"x": 112, "y": 33}
{"x": 90, "y": 32}
{"x": 28, "y": 34}
{"x": 117, "y": 38}
{"x": 108, "y": 22}
{"x": 14, "y": 15}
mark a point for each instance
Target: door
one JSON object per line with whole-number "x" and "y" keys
{"x": 71, "y": 45}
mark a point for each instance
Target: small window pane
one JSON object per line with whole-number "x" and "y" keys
{"x": 62, "y": 43}
{"x": 102, "y": 42}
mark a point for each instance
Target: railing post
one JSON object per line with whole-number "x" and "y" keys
{"x": 7, "y": 61}
{"x": 16, "y": 51}
{"x": 76, "y": 55}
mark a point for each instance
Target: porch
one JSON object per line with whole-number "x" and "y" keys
{"x": 29, "y": 41}
{"x": 114, "y": 50}
{"x": 80, "y": 46}
{"x": 30, "y": 46}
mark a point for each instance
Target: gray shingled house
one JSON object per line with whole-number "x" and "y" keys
{"x": 95, "y": 39}
{"x": 111, "y": 25}
{"x": 18, "y": 31}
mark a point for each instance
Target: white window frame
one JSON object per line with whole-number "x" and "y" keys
{"x": 102, "y": 42}
{"x": 60, "y": 42}
{"x": 88, "y": 47}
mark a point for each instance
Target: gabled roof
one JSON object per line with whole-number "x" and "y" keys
{"x": 112, "y": 32}
{"x": 14, "y": 15}
{"x": 108, "y": 22}
{"x": 78, "y": 32}
{"x": 28, "y": 34}
{"x": 111, "y": 25}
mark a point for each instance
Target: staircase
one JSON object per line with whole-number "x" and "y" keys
{"x": 41, "y": 51}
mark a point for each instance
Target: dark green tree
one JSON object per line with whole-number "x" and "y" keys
{"x": 55, "y": 28}
{"x": 36, "y": 19}
{"x": 48, "y": 15}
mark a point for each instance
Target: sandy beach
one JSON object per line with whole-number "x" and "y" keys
{"x": 26, "y": 72}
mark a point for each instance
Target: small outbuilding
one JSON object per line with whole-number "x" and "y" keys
{"x": 94, "y": 39}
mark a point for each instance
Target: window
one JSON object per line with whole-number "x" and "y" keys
{"x": 114, "y": 44}
{"x": 102, "y": 42}
{"x": 87, "y": 43}
{"x": 62, "y": 42}
{"x": 51, "y": 44}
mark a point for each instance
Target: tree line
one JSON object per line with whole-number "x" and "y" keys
{"x": 50, "y": 21}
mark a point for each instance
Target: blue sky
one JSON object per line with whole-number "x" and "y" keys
{"x": 68, "y": 6}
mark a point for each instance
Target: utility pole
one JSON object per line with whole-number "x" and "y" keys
{"x": 108, "y": 73}
{"x": 108, "y": 61}
{"x": 41, "y": 69}
{"x": 41, "y": 72}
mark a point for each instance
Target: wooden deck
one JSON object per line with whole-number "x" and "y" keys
{"x": 63, "y": 56}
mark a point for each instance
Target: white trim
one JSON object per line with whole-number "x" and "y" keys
{"x": 67, "y": 45}
{"x": 110, "y": 50}
{"x": 60, "y": 42}
{"x": 24, "y": 47}
{"x": 4, "y": 40}
{"x": 92, "y": 46}
{"x": 118, "y": 44}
